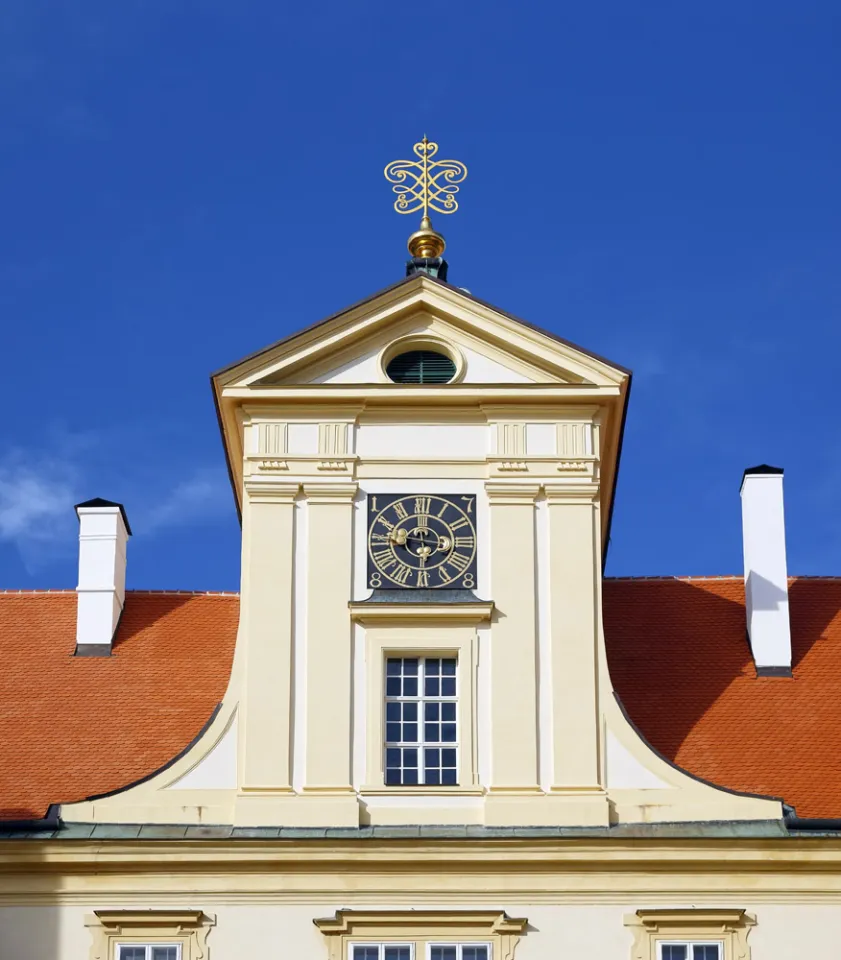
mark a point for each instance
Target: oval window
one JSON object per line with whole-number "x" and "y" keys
{"x": 421, "y": 366}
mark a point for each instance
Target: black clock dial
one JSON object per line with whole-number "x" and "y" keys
{"x": 421, "y": 541}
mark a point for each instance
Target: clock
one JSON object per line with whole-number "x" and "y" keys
{"x": 421, "y": 541}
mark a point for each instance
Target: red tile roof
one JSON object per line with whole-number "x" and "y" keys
{"x": 680, "y": 663}
{"x": 74, "y": 727}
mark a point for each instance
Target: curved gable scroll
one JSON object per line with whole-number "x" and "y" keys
{"x": 422, "y": 926}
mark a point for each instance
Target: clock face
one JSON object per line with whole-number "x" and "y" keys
{"x": 421, "y": 541}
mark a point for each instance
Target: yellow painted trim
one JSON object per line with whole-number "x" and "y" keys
{"x": 410, "y": 613}
{"x": 422, "y": 927}
{"x": 187, "y": 928}
{"x": 730, "y": 927}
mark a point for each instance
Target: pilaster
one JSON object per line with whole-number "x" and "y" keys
{"x": 329, "y": 679}
{"x": 513, "y": 646}
{"x": 575, "y": 566}
{"x": 267, "y": 620}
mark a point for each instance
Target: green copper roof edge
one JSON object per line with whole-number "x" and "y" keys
{"x": 751, "y": 829}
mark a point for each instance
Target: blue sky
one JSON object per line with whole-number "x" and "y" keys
{"x": 182, "y": 183}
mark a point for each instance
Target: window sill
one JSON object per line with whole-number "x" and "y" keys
{"x": 421, "y": 790}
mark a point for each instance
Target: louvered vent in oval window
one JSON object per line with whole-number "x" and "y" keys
{"x": 421, "y": 366}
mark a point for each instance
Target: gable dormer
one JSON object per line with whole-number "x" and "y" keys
{"x": 425, "y": 485}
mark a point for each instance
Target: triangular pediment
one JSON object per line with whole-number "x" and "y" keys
{"x": 492, "y": 347}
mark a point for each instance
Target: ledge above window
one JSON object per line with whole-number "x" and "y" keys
{"x": 413, "y": 608}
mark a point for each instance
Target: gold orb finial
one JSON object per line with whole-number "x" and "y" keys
{"x": 426, "y": 184}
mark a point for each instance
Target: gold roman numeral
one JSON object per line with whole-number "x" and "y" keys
{"x": 400, "y": 510}
{"x": 423, "y": 578}
{"x": 444, "y": 574}
{"x": 384, "y": 559}
{"x": 458, "y": 524}
{"x": 460, "y": 561}
{"x": 466, "y": 542}
{"x": 423, "y": 505}
{"x": 383, "y": 538}
{"x": 443, "y": 509}
{"x": 402, "y": 575}
{"x": 385, "y": 523}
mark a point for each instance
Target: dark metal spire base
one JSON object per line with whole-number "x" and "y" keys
{"x": 433, "y": 267}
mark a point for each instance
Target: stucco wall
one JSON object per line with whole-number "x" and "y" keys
{"x": 555, "y": 931}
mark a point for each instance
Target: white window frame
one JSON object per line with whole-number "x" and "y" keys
{"x": 422, "y": 699}
{"x": 689, "y": 944}
{"x": 148, "y": 947}
{"x": 380, "y": 946}
{"x": 459, "y": 945}
{"x": 422, "y": 638}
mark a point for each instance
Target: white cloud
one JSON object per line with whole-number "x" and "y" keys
{"x": 202, "y": 496}
{"x": 37, "y": 494}
{"x": 39, "y": 487}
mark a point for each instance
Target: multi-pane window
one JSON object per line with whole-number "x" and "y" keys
{"x": 421, "y": 732}
{"x": 689, "y": 950}
{"x": 406, "y": 951}
{"x": 458, "y": 951}
{"x": 150, "y": 951}
{"x": 381, "y": 951}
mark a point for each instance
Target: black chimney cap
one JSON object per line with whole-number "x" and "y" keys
{"x": 100, "y": 502}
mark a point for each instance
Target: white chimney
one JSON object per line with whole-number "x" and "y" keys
{"x": 766, "y": 575}
{"x": 103, "y": 532}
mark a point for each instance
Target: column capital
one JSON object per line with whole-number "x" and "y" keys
{"x": 512, "y": 493}
{"x": 330, "y": 492}
{"x": 271, "y": 491}
{"x": 559, "y": 493}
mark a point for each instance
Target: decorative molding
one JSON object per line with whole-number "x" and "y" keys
{"x": 575, "y": 440}
{"x": 187, "y": 928}
{"x": 267, "y": 491}
{"x": 571, "y": 492}
{"x": 332, "y": 439}
{"x": 512, "y": 493}
{"x": 330, "y": 492}
{"x": 512, "y": 466}
{"x": 493, "y": 926}
{"x": 342, "y": 466}
{"x": 271, "y": 466}
{"x": 272, "y": 438}
{"x": 687, "y": 923}
{"x": 415, "y": 612}
{"x": 511, "y": 439}
{"x": 576, "y": 466}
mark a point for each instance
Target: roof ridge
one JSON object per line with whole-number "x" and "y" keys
{"x": 722, "y": 576}
{"x": 70, "y": 590}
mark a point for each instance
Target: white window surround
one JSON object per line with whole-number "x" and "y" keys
{"x": 355, "y": 949}
{"x": 686, "y": 949}
{"x": 421, "y": 697}
{"x": 150, "y": 951}
{"x": 421, "y": 640}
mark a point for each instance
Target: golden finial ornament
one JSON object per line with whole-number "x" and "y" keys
{"x": 426, "y": 184}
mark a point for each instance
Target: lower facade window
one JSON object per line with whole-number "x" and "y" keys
{"x": 689, "y": 950}
{"x": 421, "y": 729}
{"x": 150, "y": 951}
{"x": 408, "y": 951}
